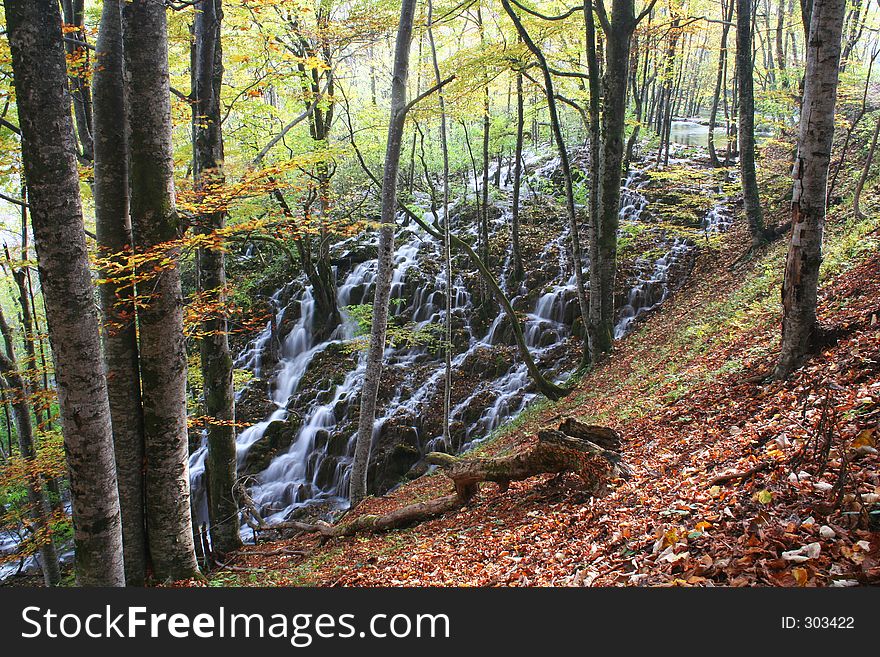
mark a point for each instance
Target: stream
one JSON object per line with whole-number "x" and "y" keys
{"x": 314, "y": 469}
{"x": 311, "y": 469}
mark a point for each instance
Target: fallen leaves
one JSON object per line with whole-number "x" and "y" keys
{"x": 669, "y": 526}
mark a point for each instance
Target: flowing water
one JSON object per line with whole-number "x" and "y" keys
{"x": 311, "y": 471}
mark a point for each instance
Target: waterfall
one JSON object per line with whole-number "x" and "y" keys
{"x": 313, "y": 470}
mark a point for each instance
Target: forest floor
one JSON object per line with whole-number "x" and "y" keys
{"x": 687, "y": 391}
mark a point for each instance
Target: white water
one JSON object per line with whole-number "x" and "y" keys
{"x": 292, "y": 479}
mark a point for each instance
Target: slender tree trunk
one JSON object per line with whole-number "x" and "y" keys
{"x": 780, "y": 42}
{"x": 4, "y": 399}
{"x": 800, "y": 286}
{"x": 49, "y": 152}
{"x": 664, "y": 113}
{"x": 80, "y": 91}
{"x": 638, "y": 102}
{"x": 373, "y": 372}
{"x": 727, "y": 12}
{"x": 113, "y": 230}
{"x": 863, "y": 177}
{"x": 518, "y": 271}
{"x": 39, "y": 507}
{"x": 577, "y": 260}
{"x": 216, "y": 359}
{"x": 447, "y": 248}
{"x": 29, "y": 337}
{"x": 161, "y": 341}
{"x": 746, "y": 122}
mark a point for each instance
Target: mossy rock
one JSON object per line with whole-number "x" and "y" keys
{"x": 276, "y": 439}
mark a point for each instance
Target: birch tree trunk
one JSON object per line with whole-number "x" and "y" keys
{"x": 358, "y": 484}
{"x": 518, "y": 271}
{"x": 447, "y": 247}
{"x": 162, "y": 349}
{"x": 799, "y": 288}
{"x": 49, "y": 152}
{"x": 207, "y": 77}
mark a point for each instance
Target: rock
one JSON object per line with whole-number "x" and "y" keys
{"x": 326, "y": 472}
{"x": 393, "y": 465}
{"x": 337, "y": 443}
{"x": 321, "y": 438}
{"x": 253, "y": 404}
{"x": 488, "y": 362}
{"x": 277, "y": 437}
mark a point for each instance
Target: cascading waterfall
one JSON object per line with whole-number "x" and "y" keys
{"x": 652, "y": 288}
{"x": 307, "y": 473}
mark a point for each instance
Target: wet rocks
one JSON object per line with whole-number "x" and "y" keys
{"x": 489, "y": 362}
{"x": 253, "y": 404}
{"x": 276, "y": 439}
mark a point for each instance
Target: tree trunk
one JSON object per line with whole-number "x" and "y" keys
{"x": 113, "y": 230}
{"x": 603, "y": 249}
{"x": 447, "y": 248}
{"x": 162, "y": 349}
{"x": 595, "y": 85}
{"x": 49, "y": 152}
{"x": 373, "y": 372}
{"x": 863, "y": 177}
{"x": 518, "y": 271}
{"x": 20, "y": 276}
{"x": 780, "y": 42}
{"x": 746, "y": 122}
{"x": 577, "y": 260}
{"x": 39, "y": 507}
{"x": 216, "y": 359}
{"x": 80, "y": 92}
{"x": 727, "y": 13}
{"x": 799, "y": 288}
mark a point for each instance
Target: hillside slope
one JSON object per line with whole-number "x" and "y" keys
{"x": 687, "y": 392}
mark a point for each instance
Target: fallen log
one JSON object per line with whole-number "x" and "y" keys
{"x": 573, "y": 447}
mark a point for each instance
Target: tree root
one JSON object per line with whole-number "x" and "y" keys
{"x": 587, "y": 450}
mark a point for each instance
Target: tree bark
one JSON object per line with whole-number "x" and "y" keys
{"x": 800, "y": 285}
{"x": 863, "y": 177}
{"x": 373, "y": 372}
{"x": 113, "y": 230}
{"x": 49, "y": 152}
{"x": 518, "y": 271}
{"x": 216, "y": 359}
{"x": 746, "y": 122}
{"x": 80, "y": 91}
{"x": 603, "y": 247}
{"x": 162, "y": 349}
{"x": 447, "y": 248}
